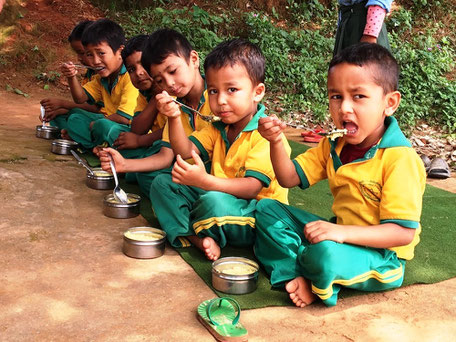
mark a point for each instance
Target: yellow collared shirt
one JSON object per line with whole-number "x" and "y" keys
{"x": 141, "y": 103}
{"x": 248, "y": 156}
{"x": 386, "y": 186}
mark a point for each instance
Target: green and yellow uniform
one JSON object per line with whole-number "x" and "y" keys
{"x": 185, "y": 210}
{"x": 118, "y": 98}
{"x": 191, "y": 122}
{"x": 385, "y": 186}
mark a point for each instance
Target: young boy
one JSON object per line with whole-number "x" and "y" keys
{"x": 375, "y": 176}
{"x": 57, "y": 110}
{"x": 361, "y": 21}
{"x": 174, "y": 66}
{"x": 103, "y": 41}
{"x": 147, "y": 124}
{"x": 211, "y": 210}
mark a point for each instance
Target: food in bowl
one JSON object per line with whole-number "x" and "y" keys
{"x": 236, "y": 269}
{"x": 130, "y": 199}
{"x": 142, "y": 236}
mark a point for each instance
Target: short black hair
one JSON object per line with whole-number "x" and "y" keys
{"x": 76, "y": 33}
{"x": 104, "y": 30}
{"x": 163, "y": 43}
{"x": 134, "y": 44}
{"x": 238, "y": 51}
{"x": 386, "y": 71}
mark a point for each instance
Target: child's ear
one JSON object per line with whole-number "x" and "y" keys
{"x": 392, "y": 102}
{"x": 259, "y": 92}
{"x": 194, "y": 58}
{"x": 119, "y": 51}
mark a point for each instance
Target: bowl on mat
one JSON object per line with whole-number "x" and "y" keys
{"x": 144, "y": 242}
{"x": 115, "y": 209}
{"x": 235, "y": 275}
{"x": 100, "y": 180}
{"x": 63, "y": 146}
{"x": 47, "y": 132}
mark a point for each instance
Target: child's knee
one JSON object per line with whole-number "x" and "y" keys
{"x": 264, "y": 205}
{"x": 319, "y": 258}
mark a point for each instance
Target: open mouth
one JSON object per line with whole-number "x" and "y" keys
{"x": 351, "y": 127}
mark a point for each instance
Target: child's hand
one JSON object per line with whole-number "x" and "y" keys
{"x": 127, "y": 140}
{"x": 271, "y": 128}
{"x": 318, "y": 231}
{"x": 68, "y": 69}
{"x": 118, "y": 160}
{"x": 188, "y": 174}
{"x": 167, "y": 106}
{"x": 50, "y": 115}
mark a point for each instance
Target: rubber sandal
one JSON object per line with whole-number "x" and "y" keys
{"x": 221, "y": 317}
{"x": 426, "y": 161}
{"x": 439, "y": 169}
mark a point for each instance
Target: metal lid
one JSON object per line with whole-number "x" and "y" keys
{"x": 64, "y": 142}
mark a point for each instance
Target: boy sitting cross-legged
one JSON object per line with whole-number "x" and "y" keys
{"x": 375, "y": 176}
{"x": 216, "y": 208}
{"x": 172, "y": 63}
{"x": 57, "y": 110}
{"x": 147, "y": 124}
{"x": 111, "y": 87}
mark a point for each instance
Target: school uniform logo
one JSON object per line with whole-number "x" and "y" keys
{"x": 371, "y": 190}
{"x": 241, "y": 172}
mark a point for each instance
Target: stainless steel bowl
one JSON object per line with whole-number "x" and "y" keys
{"x": 140, "y": 246}
{"x": 100, "y": 180}
{"x": 62, "y": 146}
{"x": 235, "y": 275}
{"x": 47, "y": 132}
{"x": 115, "y": 209}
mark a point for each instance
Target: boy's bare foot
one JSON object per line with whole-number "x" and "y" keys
{"x": 211, "y": 248}
{"x": 300, "y": 291}
{"x": 64, "y": 134}
{"x": 208, "y": 245}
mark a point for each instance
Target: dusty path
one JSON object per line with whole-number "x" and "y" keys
{"x": 64, "y": 277}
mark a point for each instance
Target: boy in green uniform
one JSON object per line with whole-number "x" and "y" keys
{"x": 375, "y": 176}
{"x": 174, "y": 66}
{"x": 110, "y": 88}
{"x": 216, "y": 208}
{"x": 57, "y": 110}
{"x": 147, "y": 124}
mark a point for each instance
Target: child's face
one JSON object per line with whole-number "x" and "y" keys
{"x": 101, "y": 55}
{"x": 358, "y": 104}
{"x": 175, "y": 75}
{"x": 232, "y": 95}
{"x": 77, "y": 47}
{"x": 138, "y": 75}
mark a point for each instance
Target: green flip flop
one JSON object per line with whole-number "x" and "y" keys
{"x": 221, "y": 317}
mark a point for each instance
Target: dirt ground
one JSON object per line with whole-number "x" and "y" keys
{"x": 64, "y": 277}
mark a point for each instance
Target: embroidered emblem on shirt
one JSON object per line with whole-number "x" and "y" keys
{"x": 371, "y": 190}
{"x": 241, "y": 172}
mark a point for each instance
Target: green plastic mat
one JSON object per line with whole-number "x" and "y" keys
{"x": 433, "y": 260}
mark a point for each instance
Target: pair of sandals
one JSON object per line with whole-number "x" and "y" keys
{"x": 436, "y": 168}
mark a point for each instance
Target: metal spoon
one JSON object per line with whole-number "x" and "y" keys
{"x": 118, "y": 193}
{"x": 42, "y": 116}
{"x": 208, "y": 118}
{"x": 82, "y": 162}
{"x": 87, "y": 67}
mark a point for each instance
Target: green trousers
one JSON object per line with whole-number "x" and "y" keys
{"x": 352, "y": 21}
{"x": 185, "y": 210}
{"x": 103, "y": 130}
{"x": 60, "y": 121}
{"x": 285, "y": 253}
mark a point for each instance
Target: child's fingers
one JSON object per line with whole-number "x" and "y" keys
{"x": 196, "y": 157}
{"x": 181, "y": 163}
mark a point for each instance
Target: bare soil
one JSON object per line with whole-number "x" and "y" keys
{"x": 64, "y": 277}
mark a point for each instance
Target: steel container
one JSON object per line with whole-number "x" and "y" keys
{"x": 62, "y": 146}
{"x": 47, "y": 132}
{"x": 243, "y": 283}
{"x": 100, "y": 180}
{"x": 141, "y": 249}
{"x": 115, "y": 209}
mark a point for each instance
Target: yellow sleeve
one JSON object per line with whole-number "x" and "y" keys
{"x": 141, "y": 103}
{"x": 204, "y": 140}
{"x": 93, "y": 89}
{"x": 258, "y": 163}
{"x": 129, "y": 95}
{"x": 311, "y": 165}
